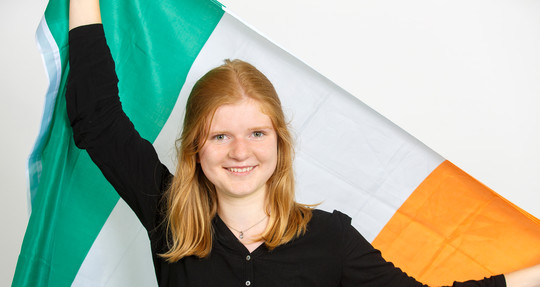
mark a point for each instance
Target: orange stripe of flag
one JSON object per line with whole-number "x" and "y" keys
{"x": 453, "y": 228}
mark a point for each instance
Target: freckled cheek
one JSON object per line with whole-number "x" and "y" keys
{"x": 211, "y": 157}
{"x": 268, "y": 153}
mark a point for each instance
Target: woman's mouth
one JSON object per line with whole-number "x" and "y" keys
{"x": 240, "y": 169}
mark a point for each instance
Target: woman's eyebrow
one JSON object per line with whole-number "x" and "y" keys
{"x": 250, "y": 129}
{"x": 217, "y": 132}
{"x": 261, "y": 128}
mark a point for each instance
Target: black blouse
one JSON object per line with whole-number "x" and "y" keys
{"x": 331, "y": 253}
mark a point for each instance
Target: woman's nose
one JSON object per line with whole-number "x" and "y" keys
{"x": 239, "y": 150}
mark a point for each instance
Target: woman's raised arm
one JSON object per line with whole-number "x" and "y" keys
{"x": 99, "y": 123}
{"x": 83, "y": 12}
{"x": 528, "y": 277}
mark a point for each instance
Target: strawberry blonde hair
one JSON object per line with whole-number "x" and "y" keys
{"x": 191, "y": 199}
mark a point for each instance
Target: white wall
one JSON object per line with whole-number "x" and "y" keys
{"x": 22, "y": 88}
{"x": 462, "y": 76}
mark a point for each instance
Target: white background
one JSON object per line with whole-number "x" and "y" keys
{"x": 461, "y": 76}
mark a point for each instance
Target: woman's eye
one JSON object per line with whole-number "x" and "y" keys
{"x": 258, "y": 134}
{"x": 219, "y": 137}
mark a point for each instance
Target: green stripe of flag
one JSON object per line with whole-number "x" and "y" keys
{"x": 154, "y": 45}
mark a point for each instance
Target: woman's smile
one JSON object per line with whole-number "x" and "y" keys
{"x": 240, "y": 170}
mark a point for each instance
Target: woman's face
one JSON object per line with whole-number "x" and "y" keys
{"x": 240, "y": 153}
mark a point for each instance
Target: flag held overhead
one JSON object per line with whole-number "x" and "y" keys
{"x": 348, "y": 157}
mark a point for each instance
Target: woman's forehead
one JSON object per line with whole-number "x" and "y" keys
{"x": 244, "y": 114}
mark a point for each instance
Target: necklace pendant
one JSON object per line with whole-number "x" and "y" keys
{"x": 241, "y": 236}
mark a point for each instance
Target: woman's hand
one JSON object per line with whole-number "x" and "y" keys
{"x": 528, "y": 277}
{"x": 83, "y": 12}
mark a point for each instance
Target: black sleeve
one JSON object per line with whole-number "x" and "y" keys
{"x": 100, "y": 126}
{"x": 364, "y": 265}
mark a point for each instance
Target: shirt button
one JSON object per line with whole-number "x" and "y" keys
{"x": 248, "y": 283}
{"x": 248, "y": 258}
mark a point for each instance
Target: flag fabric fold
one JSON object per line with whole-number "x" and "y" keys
{"x": 425, "y": 214}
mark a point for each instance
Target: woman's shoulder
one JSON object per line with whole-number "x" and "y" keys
{"x": 336, "y": 220}
{"x": 326, "y": 215}
{"x": 328, "y": 231}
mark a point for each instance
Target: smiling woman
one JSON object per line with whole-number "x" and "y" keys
{"x": 236, "y": 131}
{"x": 228, "y": 216}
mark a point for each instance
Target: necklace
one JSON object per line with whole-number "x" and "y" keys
{"x": 241, "y": 232}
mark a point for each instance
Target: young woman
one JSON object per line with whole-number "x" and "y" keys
{"x": 228, "y": 216}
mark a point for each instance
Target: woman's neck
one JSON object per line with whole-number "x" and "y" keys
{"x": 245, "y": 217}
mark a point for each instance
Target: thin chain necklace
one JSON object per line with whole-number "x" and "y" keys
{"x": 241, "y": 232}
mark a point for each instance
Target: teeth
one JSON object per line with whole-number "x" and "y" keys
{"x": 245, "y": 169}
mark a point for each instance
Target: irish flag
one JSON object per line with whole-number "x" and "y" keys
{"x": 426, "y": 215}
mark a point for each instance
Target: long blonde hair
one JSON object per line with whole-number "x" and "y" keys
{"x": 192, "y": 199}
